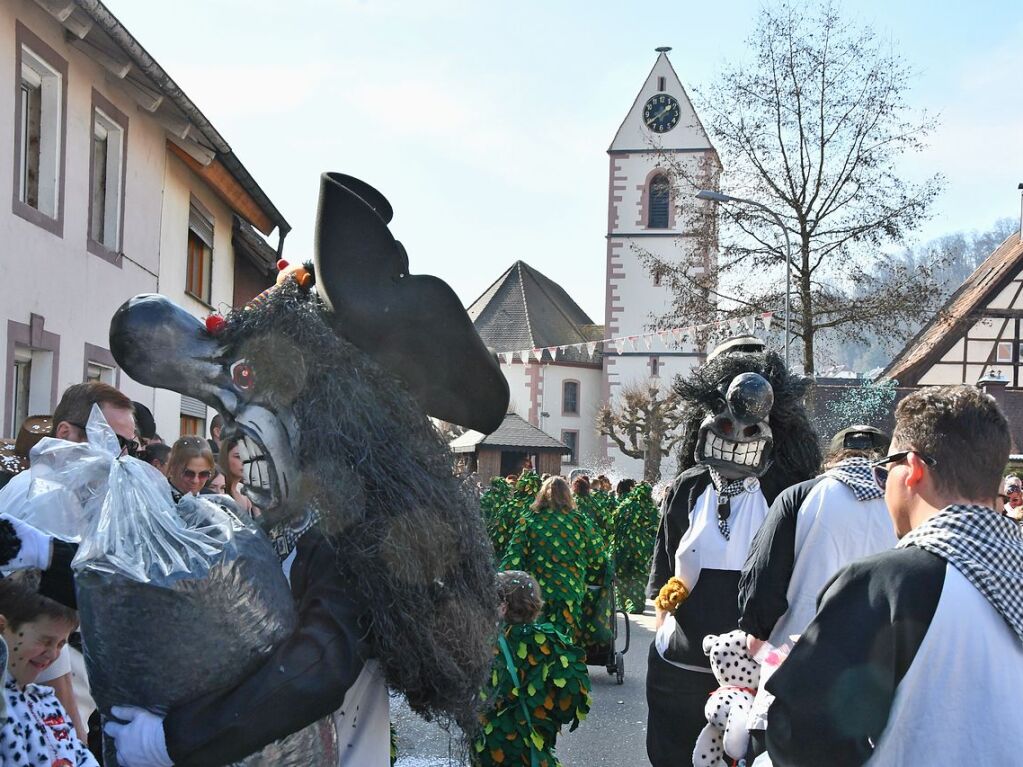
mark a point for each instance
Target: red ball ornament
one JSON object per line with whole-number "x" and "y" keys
{"x": 214, "y": 324}
{"x": 282, "y": 265}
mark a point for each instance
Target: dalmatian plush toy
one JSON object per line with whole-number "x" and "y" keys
{"x": 725, "y": 738}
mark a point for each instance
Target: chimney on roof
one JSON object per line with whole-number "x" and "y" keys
{"x": 994, "y": 383}
{"x": 1020, "y": 187}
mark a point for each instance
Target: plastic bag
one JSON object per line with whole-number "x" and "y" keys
{"x": 69, "y": 480}
{"x": 175, "y": 600}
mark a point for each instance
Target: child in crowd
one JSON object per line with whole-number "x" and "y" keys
{"x": 539, "y": 682}
{"x": 37, "y": 729}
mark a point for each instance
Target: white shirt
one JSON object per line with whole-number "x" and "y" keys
{"x": 959, "y": 702}
{"x": 704, "y": 547}
{"x": 363, "y": 723}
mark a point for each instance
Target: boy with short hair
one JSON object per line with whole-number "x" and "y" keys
{"x": 915, "y": 655}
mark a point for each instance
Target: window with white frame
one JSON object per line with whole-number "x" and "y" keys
{"x": 655, "y": 367}
{"x": 199, "y": 264}
{"x": 32, "y": 377}
{"x": 106, "y": 192}
{"x": 96, "y": 373}
{"x": 22, "y": 388}
{"x": 40, "y": 95}
{"x": 1004, "y": 353}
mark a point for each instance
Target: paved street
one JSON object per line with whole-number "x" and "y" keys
{"x": 612, "y": 735}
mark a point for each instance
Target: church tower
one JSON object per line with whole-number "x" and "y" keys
{"x": 643, "y": 216}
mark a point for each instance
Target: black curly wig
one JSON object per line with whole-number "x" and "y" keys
{"x": 409, "y": 537}
{"x": 797, "y": 451}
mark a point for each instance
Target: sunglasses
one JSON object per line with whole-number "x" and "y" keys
{"x": 192, "y": 475}
{"x": 128, "y": 446}
{"x": 881, "y": 468}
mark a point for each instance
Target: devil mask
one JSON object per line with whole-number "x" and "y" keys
{"x": 327, "y": 388}
{"x": 744, "y": 415}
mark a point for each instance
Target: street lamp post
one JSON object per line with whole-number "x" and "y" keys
{"x": 708, "y": 194}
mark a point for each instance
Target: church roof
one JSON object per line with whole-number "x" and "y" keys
{"x": 524, "y": 309}
{"x": 951, "y": 321}
{"x": 514, "y": 432}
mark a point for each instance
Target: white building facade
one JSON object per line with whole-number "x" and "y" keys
{"x": 643, "y": 217}
{"x": 117, "y": 186}
{"x": 561, "y": 393}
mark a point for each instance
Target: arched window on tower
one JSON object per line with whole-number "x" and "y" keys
{"x": 659, "y": 199}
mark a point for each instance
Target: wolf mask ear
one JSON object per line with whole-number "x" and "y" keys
{"x": 413, "y": 326}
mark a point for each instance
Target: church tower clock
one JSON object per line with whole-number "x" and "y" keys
{"x": 643, "y": 217}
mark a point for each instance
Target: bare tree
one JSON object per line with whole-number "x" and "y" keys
{"x": 642, "y": 423}
{"x": 812, "y": 127}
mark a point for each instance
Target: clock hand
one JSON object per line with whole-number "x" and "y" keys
{"x": 659, "y": 115}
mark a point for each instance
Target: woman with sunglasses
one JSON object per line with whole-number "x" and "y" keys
{"x": 190, "y": 466}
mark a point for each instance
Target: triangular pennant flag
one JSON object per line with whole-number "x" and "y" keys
{"x": 619, "y": 345}
{"x": 591, "y": 348}
{"x": 752, "y": 322}
{"x": 502, "y": 358}
{"x": 663, "y": 335}
{"x": 524, "y": 356}
{"x": 768, "y": 316}
{"x": 647, "y": 340}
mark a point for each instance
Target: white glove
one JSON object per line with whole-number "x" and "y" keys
{"x": 36, "y": 546}
{"x": 140, "y": 742}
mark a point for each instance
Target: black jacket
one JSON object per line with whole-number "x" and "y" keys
{"x": 834, "y": 693}
{"x": 764, "y": 584}
{"x": 675, "y": 508}
{"x": 303, "y": 680}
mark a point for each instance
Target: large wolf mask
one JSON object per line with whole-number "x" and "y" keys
{"x": 327, "y": 389}
{"x": 745, "y": 416}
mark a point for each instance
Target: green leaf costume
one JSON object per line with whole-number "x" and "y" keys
{"x": 549, "y": 677}
{"x": 633, "y": 531}
{"x": 601, "y": 506}
{"x": 598, "y": 611}
{"x": 563, "y": 550}
{"x": 492, "y": 505}
{"x": 502, "y": 508}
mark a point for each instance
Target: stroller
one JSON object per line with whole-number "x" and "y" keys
{"x": 601, "y": 632}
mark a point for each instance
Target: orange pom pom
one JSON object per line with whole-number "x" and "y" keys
{"x": 672, "y": 594}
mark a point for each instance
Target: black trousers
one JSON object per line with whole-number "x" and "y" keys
{"x": 675, "y": 701}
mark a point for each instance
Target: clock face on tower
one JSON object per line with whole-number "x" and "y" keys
{"x": 661, "y": 113}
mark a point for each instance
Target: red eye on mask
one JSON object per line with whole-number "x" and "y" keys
{"x": 243, "y": 376}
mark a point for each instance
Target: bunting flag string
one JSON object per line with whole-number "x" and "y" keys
{"x": 620, "y": 344}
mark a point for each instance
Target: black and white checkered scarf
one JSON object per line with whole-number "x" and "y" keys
{"x": 727, "y": 488}
{"x": 985, "y": 547}
{"x": 856, "y": 474}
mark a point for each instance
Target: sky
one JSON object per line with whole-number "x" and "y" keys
{"x": 487, "y": 124}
